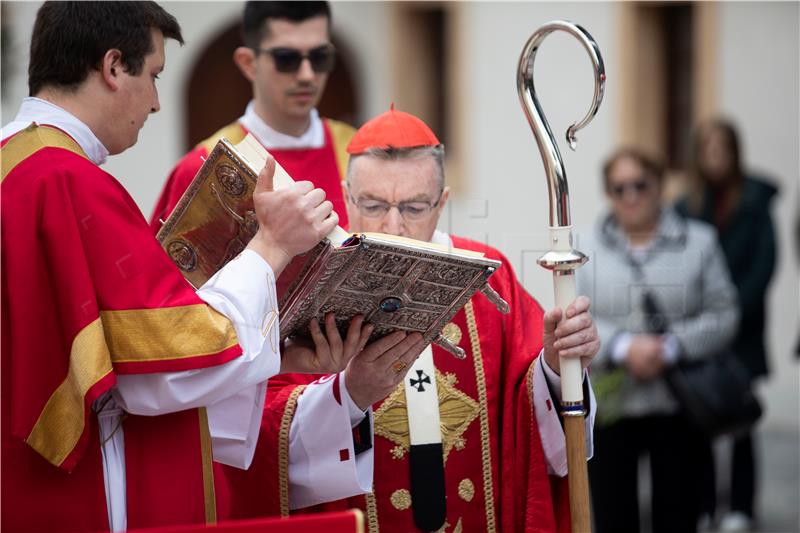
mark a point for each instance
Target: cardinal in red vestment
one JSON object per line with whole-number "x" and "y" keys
{"x": 502, "y": 444}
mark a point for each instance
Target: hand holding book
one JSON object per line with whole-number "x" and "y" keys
{"x": 396, "y": 284}
{"x": 291, "y": 220}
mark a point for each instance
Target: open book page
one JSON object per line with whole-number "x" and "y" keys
{"x": 422, "y": 244}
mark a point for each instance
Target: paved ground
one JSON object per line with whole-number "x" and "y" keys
{"x": 779, "y": 496}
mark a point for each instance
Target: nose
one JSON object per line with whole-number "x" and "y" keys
{"x": 305, "y": 72}
{"x": 156, "y": 105}
{"x": 393, "y": 222}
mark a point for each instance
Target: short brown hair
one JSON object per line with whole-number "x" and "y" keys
{"x": 70, "y": 39}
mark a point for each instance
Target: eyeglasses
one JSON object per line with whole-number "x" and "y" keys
{"x": 288, "y": 60}
{"x": 416, "y": 210}
{"x": 639, "y": 186}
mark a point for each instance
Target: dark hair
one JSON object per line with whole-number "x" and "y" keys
{"x": 70, "y": 39}
{"x": 650, "y": 165}
{"x": 256, "y": 14}
{"x": 731, "y": 137}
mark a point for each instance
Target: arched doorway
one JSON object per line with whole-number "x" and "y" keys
{"x": 217, "y": 93}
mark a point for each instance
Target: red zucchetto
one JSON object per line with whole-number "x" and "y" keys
{"x": 393, "y": 129}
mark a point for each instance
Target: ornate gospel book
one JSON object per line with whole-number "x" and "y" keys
{"x": 395, "y": 282}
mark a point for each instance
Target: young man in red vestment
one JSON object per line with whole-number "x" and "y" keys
{"x": 473, "y": 445}
{"x": 117, "y": 377}
{"x": 287, "y": 56}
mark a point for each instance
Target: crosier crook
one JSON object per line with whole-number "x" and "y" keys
{"x": 562, "y": 259}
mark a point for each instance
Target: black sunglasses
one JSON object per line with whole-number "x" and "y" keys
{"x": 288, "y": 60}
{"x": 639, "y": 186}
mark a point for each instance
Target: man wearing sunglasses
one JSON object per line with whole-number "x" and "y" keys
{"x": 287, "y": 56}
{"x": 498, "y": 410}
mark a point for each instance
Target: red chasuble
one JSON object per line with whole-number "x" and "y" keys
{"x": 325, "y": 167}
{"x": 88, "y": 294}
{"x": 495, "y": 471}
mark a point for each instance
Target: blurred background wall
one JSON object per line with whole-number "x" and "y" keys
{"x": 669, "y": 64}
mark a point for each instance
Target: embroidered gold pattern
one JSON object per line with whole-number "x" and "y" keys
{"x": 283, "y": 449}
{"x": 458, "y": 528}
{"x": 372, "y": 512}
{"x": 401, "y": 499}
{"x": 451, "y": 378}
{"x": 398, "y": 452}
{"x": 452, "y": 333}
{"x": 460, "y": 443}
{"x": 466, "y": 489}
{"x": 456, "y": 411}
{"x": 486, "y": 450}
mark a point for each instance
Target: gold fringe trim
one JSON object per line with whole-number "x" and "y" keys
{"x": 283, "y": 448}
{"x": 372, "y": 512}
{"x": 208, "y": 468}
{"x": 486, "y": 450}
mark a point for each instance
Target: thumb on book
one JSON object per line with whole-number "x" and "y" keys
{"x": 266, "y": 176}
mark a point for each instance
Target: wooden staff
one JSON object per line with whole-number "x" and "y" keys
{"x": 562, "y": 259}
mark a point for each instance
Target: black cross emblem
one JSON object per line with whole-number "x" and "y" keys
{"x": 422, "y": 377}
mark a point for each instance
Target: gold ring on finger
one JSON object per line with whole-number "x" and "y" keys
{"x": 399, "y": 366}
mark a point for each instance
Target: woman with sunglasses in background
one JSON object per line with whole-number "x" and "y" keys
{"x": 661, "y": 292}
{"x": 738, "y": 206}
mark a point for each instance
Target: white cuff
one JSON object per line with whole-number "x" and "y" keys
{"x": 323, "y": 465}
{"x": 356, "y": 414}
{"x": 619, "y": 351}
{"x": 671, "y": 348}
{"x": 552, "y": 433}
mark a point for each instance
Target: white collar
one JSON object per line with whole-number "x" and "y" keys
{"x": 43, "y": 112}
{"x": 441, "y": 238}
{"x": 314, "y": 136}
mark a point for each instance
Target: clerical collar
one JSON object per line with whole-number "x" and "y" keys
{"x": 47, "y": 113}
{"x": 441, "y": 238}
{"x": 314, "y": 136}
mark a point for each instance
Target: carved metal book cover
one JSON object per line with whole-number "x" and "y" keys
{"x": 396, "y": 283}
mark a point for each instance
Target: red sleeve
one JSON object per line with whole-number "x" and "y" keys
{"x": 177, "y": 183}
{"x": 87, "y": 293}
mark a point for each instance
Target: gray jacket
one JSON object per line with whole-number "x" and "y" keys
{"x": 684, "y": 271}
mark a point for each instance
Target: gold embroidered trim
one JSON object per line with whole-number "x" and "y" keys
{"x": 401, "y": 499}
{"x": 486, "y": 450}
{"x": 147, "y": 335}
{"x": 398, "y": 452}
{"x": 283, "y": 448}
{"x": 29, "y": 141}
{"x": 341, "y": 135}
{"x": 208, "y": 468}
{"x": 459, "y": 528}
{"x": 452, "y": 333}
{"x": 61, "y": 422}
{"x": 372, "y": 512}
{"x": 233, "y": 132}
{"x": 457, "y": 410}
{"x": 466, "y": 489}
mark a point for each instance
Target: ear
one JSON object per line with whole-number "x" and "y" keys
{"x": 245, "y": 59}
{"x": 445, "y": 197}
{"x": 111, "y": 68}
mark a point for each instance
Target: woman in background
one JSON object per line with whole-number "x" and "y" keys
{"x": 738, "y": 205}
{"x": 660, "y": 294}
